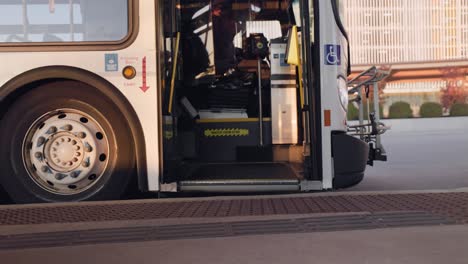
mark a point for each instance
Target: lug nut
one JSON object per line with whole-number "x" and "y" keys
{"x": 44, "y": 169}
{"x": 67, "y": 127}
{"x": 52, "y": 130}
{"x": 60, "y": 176}
{"x": 75, "y": 174}
{"x": 40, "y": 141}
{"x": 38, "y": 155}
{"x": 88, "y": 148}
{"x": 82, "y": 135}
{"x": 85, "y": 164}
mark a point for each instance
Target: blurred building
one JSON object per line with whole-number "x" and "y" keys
{"x": 414, "y": 32}
{"x": 407, "y": 31}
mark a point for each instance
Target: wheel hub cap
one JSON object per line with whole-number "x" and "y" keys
{"x": 64, "y": 152}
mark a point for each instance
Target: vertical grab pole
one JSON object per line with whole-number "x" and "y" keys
{"x": 25, "y": 19}
{"x": 361, "y": 111}
{"x": 72, "y": 19}
{"x": 368, "y": 103}
{"x": 377, "y": 111}
{"x": 260, "y": 104}
{"x": 174, "y": 72}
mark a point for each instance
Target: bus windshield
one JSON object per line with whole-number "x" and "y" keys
{"x": 38, "y": 21}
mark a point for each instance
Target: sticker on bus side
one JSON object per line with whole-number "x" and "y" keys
{"x": 112, "y": 62}
{"x": 332, "y": 54}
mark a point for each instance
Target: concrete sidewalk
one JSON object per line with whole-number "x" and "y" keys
{"x": 359, "y": 236}
{"x": 444, "y": 244}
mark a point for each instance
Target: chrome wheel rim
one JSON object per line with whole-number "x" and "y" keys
{"x": 66, "y": 151}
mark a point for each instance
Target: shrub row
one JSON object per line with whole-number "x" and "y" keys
{"x": 459, "y": 109}
{"x": 403, "y": 110}
{"x": 431, "y": 109}
{"x": 353, "y": 112}
{"x": 435, "y": 110}
{"x": 400, "y": 110}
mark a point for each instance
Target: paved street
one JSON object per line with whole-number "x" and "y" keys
{"x": 423, "y": 154}
{"x": 416, "y": 245}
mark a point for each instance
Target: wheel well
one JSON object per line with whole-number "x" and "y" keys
{"x": 30, "y": 80}
{"x": 10, "y": 98}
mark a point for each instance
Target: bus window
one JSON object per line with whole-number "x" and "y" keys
{"x": 42, "y": 21}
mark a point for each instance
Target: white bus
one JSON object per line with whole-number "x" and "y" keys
{"x": 184, "y": 95}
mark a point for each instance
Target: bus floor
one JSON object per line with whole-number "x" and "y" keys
{"x": 92, "y": 223}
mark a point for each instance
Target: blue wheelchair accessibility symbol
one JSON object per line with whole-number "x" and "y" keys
{"x": 332, "y": 54}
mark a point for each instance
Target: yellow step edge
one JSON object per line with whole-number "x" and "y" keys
{"x": 230, "y": 120}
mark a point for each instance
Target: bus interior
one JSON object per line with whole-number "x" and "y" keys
{"x": 232, "y": 103}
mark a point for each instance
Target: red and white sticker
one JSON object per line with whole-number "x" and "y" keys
{"x": 144, "y": 87}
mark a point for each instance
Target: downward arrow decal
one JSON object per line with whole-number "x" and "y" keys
{"x": 144, "y": 86}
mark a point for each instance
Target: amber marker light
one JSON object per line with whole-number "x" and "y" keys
{"x": 129, "y": 72}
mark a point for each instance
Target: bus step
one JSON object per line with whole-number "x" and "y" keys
{"x": 240, "y": 171}
{"x": 237, "y": 186}
{"x": 241, "y": 177}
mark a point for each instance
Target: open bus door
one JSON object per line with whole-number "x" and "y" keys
{"x": 246, "y": 115}
{"x": 335, "y": 157}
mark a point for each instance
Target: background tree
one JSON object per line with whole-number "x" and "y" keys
{"x": 455, "y": 90}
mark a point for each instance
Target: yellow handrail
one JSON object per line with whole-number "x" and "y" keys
{"x": 174, "y": 71}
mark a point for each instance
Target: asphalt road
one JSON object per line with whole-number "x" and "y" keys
{"x": 422, "y": 155}
{"x": 415, "y": 245}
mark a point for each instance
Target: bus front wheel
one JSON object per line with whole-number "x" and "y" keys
{"x": 64, "y": 141}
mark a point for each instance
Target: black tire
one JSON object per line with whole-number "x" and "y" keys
{"x": 18, "y": 119}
